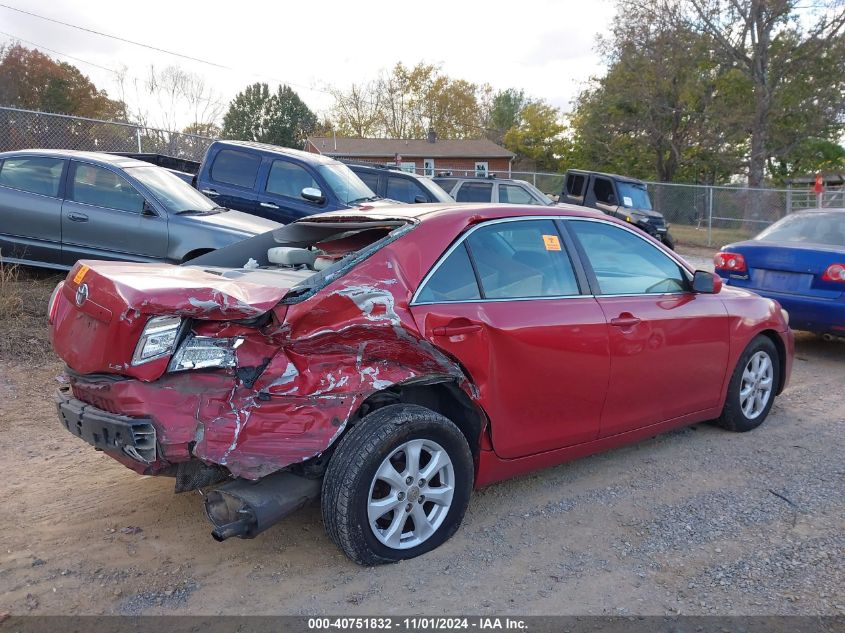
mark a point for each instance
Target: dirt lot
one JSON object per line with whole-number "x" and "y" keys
{"x": 695, "y": 521}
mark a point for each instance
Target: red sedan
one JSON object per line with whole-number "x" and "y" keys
{"x": 389, "y": 360}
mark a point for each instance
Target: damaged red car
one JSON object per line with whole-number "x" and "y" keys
{"x": 390, "y": 360}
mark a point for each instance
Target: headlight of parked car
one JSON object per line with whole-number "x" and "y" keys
{"x": 203, "y": 352}
{"x": 157, "y": 339}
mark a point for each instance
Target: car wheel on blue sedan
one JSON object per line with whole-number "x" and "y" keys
{"x": 753, "y": 386}
{"x": 397, "y": 486}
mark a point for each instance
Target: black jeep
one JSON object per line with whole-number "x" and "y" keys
{"x": 619, "y": 196}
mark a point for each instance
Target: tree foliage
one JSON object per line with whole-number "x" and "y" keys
{"x": 405, "y": 102}
{"x": 31, "y": 80}
{"x": 537, "y": 138}
{"x": 279, "y": 118}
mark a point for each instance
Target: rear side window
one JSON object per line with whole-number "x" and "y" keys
{"x": 524, "y": 259}
{"x": 625, "y": 263}
{"x": 35, "y": 175}
{"x": 575, "y": 185}
{"x": 404, "y": 190}
{"x": 103, "y": 188}
{"x": 475, "y": 192}
{"x": 232, "y": 167}
{"x": 289, "y": 179}
{"x": 454, "y": 280}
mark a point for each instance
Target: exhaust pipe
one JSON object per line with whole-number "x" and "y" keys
{"x": 246, "y": 508}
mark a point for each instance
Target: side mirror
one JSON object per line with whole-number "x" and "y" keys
{"x": 312, "y": 194}
{"x": 148, "y": 210}
{"x": 611, "y": 199}
{"x": 420, "y": 199}
{"x": 705, "y": 282}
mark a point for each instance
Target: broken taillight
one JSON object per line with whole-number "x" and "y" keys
{"x": 54, "y": 302}
{"x": 732, "y": 262}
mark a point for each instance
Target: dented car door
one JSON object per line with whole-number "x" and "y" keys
{"x": 508, "y": 302}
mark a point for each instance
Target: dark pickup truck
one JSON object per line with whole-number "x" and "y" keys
{"x": 277, "y": 183}
{"x": 622, "y": 197}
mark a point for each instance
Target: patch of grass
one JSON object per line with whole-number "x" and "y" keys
{"x": 24, "y": 294}
{"x": 692, "y": 236}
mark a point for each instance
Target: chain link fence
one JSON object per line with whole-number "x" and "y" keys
{"x": 25, "y": 129}
{"x": 698, "y": 213}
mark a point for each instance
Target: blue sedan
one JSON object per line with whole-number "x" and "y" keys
{"x": 800, "y": 262}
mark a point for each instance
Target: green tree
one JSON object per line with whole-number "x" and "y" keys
{"x": 279, "y": 118}
{"x": 538, "y": 140}
{"x": 505, "y": 112}
{"x": 776, "y": 45}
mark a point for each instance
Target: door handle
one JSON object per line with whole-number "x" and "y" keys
{"x": 77, "y": 217}
{"x": 269, "y": 205}
{"x": 626, "y": 319}
{"x": 210, "y": 192}
{"x": 456, "y": 330}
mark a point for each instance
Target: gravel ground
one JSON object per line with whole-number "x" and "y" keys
{"x": 697, "y": 521}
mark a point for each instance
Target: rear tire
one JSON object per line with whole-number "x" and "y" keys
{"x": 374, "y": 477}
{"x": 752, "y": 389}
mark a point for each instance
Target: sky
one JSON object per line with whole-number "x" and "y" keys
{"x": 546, "y": 48}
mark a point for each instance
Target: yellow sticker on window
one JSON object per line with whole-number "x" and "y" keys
{"x": 552, "y": 242}
{"x": 80, "y": 274}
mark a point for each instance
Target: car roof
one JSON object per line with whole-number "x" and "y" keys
{"x": 310, "y": 157}
{"x": 479, "y": 179}
{"x": 378, "y": 169}
{"x": 606, "y": 175}
{"x": 93, "y": 157}
{"x": 467, "y": 212}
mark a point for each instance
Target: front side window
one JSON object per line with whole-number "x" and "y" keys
{"x": 452, "y": 281}
{"x": 514, "y": 194}
{"x": 232, "y": 167}
{"x": 289, "y": 179}
{"x": 603, "y": 191}
{"x": 369, "y": 179}
{"x": 100, "y": 187}
{"x": 35, "y": 175}
{"x": 625, "y": 263}
{"x": 403, "y": 190}
{"x": 523, "y": 259}
{"x": 475, "y": 192}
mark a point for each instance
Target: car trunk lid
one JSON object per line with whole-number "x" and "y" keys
{"x": 784, "y": 267}
{"x": 103, "y": 307}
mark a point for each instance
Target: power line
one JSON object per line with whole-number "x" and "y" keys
{"x": 76, "y": 59}
{"x": 114, "y": 37}
{"x": 160, "y": 50}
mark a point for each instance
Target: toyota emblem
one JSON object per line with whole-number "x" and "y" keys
{"x": 81, "y": 294}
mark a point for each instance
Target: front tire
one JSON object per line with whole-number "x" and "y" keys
{"x": 668, "y": 240}
{"x": 752, "y": 389}
{"x": 397, "y": 486}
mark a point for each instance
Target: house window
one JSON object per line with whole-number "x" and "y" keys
{"x": 411, "y": 168}
{"x": 481, "y": 168}
{"x": 428, "y": 167}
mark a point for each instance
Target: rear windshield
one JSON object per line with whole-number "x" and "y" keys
{"x": 816, "y": 227}
{"x": 312, "y": 251}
